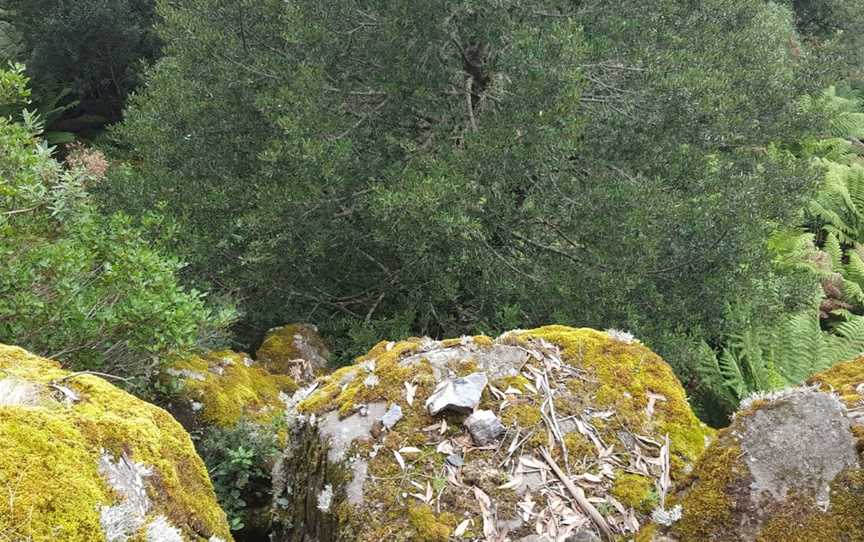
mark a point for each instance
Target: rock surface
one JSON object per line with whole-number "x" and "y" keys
{"x": 83, "y": 461}
{"x": 458, "y": 395}
{"x": 296, "y": 350}
{"x": 600, "y": 406}
{"x": 484, "y": 427}
{"x": 788, "y": 468}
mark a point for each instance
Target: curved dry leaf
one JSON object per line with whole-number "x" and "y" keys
{"x": 462, "y": 527}
{"x": 399, "y": 459}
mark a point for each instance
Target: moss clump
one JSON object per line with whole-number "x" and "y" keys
{"x": 428, "y": 527}
{"x": 49, "y": 477}
{"x": 635, "y": 491}
{"x": 800, "y": 520}
{"x": 579, "y": 447}
{"x": 229, "y": 388}
{"x": 284, "y": 345}
{"x": 523, "y": 415}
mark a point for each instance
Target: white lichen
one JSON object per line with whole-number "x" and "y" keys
{"x": 126, "y": 477}
{"x": 665, "y": 517}
{"x": 621, "y": 336}
{"x": 776, "y": 395}
{"x": 18, "y": 392}
{"x": 160, "y": 530}
{"x": 325, "y": 498}
{"x": 371, "y": 381}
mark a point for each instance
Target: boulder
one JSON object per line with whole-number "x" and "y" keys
{"x": 787, "y": 468}
{"x": 84, "y": 461}
{"x": 296, "y": 350}
{"x": 593, "y": 407}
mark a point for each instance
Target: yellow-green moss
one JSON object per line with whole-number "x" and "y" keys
{"x": 239, "y": 391}
{"x": 800, "y": 520}
{"x": 843, "y": 379}
{"x": 708, "y": 495}
{"x": 517, "y": 382}
{"x": 625, "y": 374}
{"x": 279, "y": 348}
{"x": 524, "y": 415}
{"x": 346, "y": 388}
{"x": 579, "y": 447}
{"x": 428, "y": 527}
{"x": 49, "y": 485}
{"x": 635, "y": 491}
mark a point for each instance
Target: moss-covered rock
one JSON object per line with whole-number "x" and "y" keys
{"x": 296, "y": 350}
{"x": 80, "y": 458}
{"x": 788, "y": 468}
{"x": 601, "y": 404}
{"x": 221, "y": 388}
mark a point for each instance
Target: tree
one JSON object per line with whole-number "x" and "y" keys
{"x": 95, "y": 47}
{"x": 78, "y": 286}
{"x": 444, "y": 168}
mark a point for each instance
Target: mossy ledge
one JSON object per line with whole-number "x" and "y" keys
{"x": 614, "y": 399}
{"x": 219, "y": 388}
{"x": 56, "y": 426}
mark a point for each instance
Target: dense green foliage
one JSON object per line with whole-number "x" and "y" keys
{"x": 239, "y": 460}
{"x": 384, "y": 169}
{"x": 97, "y": 48}
{"x": 76, "y": 285}
{"x": 829, "y": 247}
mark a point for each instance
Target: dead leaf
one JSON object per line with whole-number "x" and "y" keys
{"x": 588, "y": 477}
{"x": 462, "y": 527}
{"x": 514, "y": 482}
{"x": 498, "y": 394}
{"x": 410, "y": 391}
{"x": 399, "y": 459}
{"x": 533, "y": 463}
{"x": 410, "y": 450}
{"x": 652, "y": 400}
{"x": 445, "y": 448}
{"x": 526, "y": 508}
{"x": 490, "y": 529}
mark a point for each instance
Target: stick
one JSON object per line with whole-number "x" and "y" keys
{"x": 579, "y": 495}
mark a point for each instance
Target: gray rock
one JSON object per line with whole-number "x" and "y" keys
{"x": 460, "y": 395}
{"x": 484, "y": 426}
{"x": 456, "y": 460}
{"x": 392, "y": 416}
{"x": 354, "y": 490}
{"x": 342, "y": 432}
{"x": 498, "y": 361}
{"x": 800, "y": 443}
{"x": 583, "y": 535}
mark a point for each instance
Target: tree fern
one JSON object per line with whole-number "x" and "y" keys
{"x": 760, "y": 359}
{"x": 846, "y": 113}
